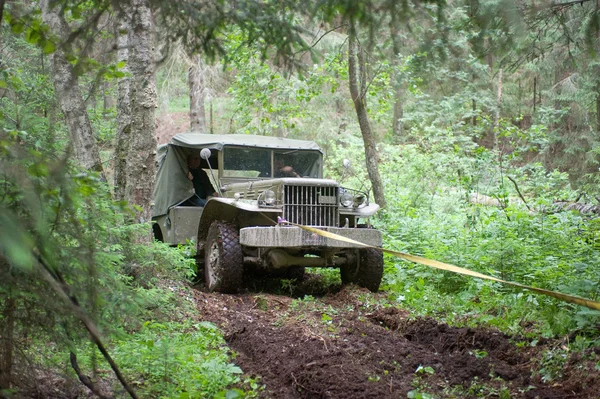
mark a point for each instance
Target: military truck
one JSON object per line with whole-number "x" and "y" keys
{"x": 260, "y": 184}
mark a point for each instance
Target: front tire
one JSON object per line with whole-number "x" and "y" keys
{"x": 364, "y": 267}
{"x": 223, "y": 258}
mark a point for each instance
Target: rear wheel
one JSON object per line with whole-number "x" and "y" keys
{"x": 364, "y": 267}
{"x": 223, "y": 259}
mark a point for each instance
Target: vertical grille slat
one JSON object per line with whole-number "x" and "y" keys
{"x": 302, "y": 205}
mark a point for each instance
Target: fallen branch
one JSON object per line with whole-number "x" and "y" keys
{"x": 85, "y": 380}
{"x": 576, "y": 206}
{"x": 518, "y": 191}
{"x": 62, "y": 289}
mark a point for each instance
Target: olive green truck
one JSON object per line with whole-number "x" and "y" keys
{"x": 259, "y": 184}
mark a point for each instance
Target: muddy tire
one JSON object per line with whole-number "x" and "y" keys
{"x": 223, "y": 259}
{"x": 364, "y": 268}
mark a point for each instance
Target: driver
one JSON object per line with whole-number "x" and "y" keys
{"x": 283, "y": 170}
{"x": 202, "y": 185}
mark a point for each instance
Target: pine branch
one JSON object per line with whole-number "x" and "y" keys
{"x": 568, "y": 4}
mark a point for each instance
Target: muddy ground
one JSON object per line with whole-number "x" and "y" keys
{"x": 345, "y": 344}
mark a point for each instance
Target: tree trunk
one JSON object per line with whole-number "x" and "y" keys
{"x": 598, "y": 106}
{"x": 498, "y": 107}
{"x": 140, "y": 172}
{"x": 534, "y": 92}
{"x": 397, "y": 84}
{"x": 123, "y": 105}
{"x": 69, "y": 96}
{"x": 197, "y": 86}
{"x": 7, "y": 325}
{"x": 597, "y": 70}
{"x": 212, "y": 121}
{"x": 360, "y": 105}
{"x": 7, "y": 342}
{"x": 397, "y": 126}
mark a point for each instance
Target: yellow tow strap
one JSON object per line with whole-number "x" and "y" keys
{"x": 455, "y": 269}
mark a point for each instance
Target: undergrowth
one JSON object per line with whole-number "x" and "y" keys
{"x": 460, "y": 205}
{"x": 72, "y": 263}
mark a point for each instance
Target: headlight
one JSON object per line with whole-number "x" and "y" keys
{"x": 268, "y": 197}
{"x": 346, "y": 199}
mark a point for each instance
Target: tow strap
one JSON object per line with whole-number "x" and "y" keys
{"x": 451, "y": 268}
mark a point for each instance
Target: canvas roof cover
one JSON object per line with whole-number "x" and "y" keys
{"x": 217, "y": 141}
{"x": 172, "y": 185}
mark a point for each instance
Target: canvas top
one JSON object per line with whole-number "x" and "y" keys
{"x": 217, "y": 141}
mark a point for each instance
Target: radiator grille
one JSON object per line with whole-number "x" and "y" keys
{"x": 310, "y": 205}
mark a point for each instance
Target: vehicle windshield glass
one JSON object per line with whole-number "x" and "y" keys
{"x": 246, "y": 162}
{"x": 299, "y": 163}
{"x": 265, "y": 163}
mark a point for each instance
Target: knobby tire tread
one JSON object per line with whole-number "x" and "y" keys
{"x": 230, "y": 253}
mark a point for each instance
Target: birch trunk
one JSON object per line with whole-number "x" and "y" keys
{"x": 360, "y": 105}
{"x": 197, "y": 84}
{"x": 140, "y": 172}
{"x": 68, "y": 94}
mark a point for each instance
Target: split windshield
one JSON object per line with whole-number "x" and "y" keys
{"x": 266, "y": 163}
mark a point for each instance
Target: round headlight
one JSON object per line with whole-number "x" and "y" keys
{"x": 346, "y": 199}
{"x": 269, "y": 197}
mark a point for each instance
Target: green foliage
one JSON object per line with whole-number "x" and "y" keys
{"x": 61, "y": 222}
{"x": 177, "y": 360}
{"x": 431, "y": 213}
{"x": 27, "y": 91}
{"x": 267, "y": 101}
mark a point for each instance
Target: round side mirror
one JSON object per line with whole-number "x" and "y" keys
{"x": 205, "y": 153}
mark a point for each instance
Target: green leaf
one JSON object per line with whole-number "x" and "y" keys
{"x": 32, "y": 36}
{"x": 49, "y": 47}
{"x": 234, "y": 394}
{"x": 17, "y": 28}
{"x": 38, "y": 170}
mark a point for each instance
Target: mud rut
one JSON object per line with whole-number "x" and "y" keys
{"x": 344, "y": 345}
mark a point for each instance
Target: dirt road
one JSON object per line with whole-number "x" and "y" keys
{"x": 346, "y": 344}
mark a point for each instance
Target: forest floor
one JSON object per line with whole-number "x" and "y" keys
{"x": 329, "y": 342}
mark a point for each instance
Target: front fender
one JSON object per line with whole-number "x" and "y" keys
{"x": 228, "y": 210}
{"x": 363, "y": 212}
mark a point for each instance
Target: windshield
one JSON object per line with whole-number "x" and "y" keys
{"x": 296, "y": 163}
{"x": 265, "y": 163}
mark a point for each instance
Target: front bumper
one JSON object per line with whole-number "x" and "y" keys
{"x": 295, "y": 237}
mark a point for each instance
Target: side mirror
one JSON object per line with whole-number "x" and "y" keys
{"x": 205, "y": 153}
{"x": 346, "y": 162}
